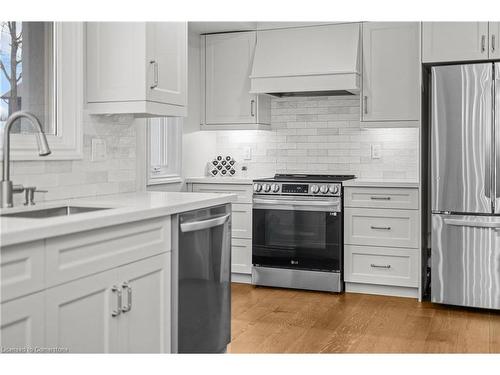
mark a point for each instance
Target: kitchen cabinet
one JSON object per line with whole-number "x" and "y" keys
{"x": 146, "y": 285}
{"x": 227, "y": 101}
{"x": 101, "y": 291}
{"x": 22, "y": 323}
{"x": 126, "y": 309}
{"x": 137, "y": 68}
{"x": 459, "y": 41}
{"x": 79, "y": 315}
{"x": 241, "y": 224}
{"x": 381, "y": 240}
{"x": 391, "y": 74}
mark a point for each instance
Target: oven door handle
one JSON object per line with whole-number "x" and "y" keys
{"x": 277, "y": 204}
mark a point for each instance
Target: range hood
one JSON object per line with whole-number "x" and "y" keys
{"x": 318, "y": 60}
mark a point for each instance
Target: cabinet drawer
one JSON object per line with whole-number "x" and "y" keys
{"x": 381, "y": 197}
{"x": 376, "y": 227}
{"x": 241, "y": 256}
{"x": 244, "y": 192}
{"x": 21, "y": 269}
{"x": 242, "y": 220}
{"x": 381, "y": 265}
{"x": 82, "y": 254}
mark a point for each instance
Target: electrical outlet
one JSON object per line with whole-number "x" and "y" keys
{"x": 98, "y": 149}
{"x": 247, "y": 153}
{"x": 376, "y": 151}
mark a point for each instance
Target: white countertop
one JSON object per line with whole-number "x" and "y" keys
{"x": 219, "y": 180}
{"x": 126, "y": 208}
{"x": 359, "y": 182}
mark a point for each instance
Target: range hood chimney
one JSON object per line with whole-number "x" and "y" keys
{"x": 307, "y": 61}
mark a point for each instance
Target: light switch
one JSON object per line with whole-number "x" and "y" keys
{"x": 376, "y": 151}
{"x": 98, "y": 149}
{"x": 247, "y": 153}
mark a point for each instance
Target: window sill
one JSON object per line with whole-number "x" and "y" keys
{"x": 164, "y": 180}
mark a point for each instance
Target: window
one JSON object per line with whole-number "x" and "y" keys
{"x": 41, "y": 71}
{"x": 27, "y": 73}
{"x": 164, "y": 150}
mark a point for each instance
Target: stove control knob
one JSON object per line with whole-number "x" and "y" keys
{"x": 257, "y": 188}
{"x": 275, "y": 188}
{"x": 266, "y": 188}
{"x": 315, "y": 189}
{"x": 323, "y": 189}
{"x": 334, "y": 189}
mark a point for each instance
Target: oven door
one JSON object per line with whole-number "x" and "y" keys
{"x": 297, "y": 233}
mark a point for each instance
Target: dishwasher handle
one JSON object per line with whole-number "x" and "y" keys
{"x": 204, "y": 224}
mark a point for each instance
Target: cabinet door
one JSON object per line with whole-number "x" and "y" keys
{"x": 21, "y": 323}
{"x": 145, "y": 322}
{"x": 228, "y": 67}
{"x": 116, "y": 70}
{"x": 494, "y": 44}
{"x": 167, "y": 65}
{"x": 454, "y": 41}
{"x": 79, "y": 315}
{"x": 391, "y": 71}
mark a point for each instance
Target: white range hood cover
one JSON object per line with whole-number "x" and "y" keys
{"x": 315, "y": 60}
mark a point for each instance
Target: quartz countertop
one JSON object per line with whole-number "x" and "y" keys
{"x": 359, "y": 182}
{"x": 126, "y": 208}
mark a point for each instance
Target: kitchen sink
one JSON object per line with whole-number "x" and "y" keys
{"x": 53, "y": 212}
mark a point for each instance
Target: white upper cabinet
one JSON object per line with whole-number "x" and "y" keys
{"x": 391, "y": 74}
{"x": 228, "y": 103}
{"x": 138, "y": 68}
{"x": 494, "y": 42}
{"x": 457, "y": 41}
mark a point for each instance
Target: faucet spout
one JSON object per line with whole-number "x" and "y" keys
{"x": 43, "y": 150}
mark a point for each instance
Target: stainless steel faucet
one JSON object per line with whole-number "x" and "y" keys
{"x": 6, "y": 187}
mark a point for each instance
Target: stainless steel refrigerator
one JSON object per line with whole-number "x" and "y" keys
{"x": 465, "y": 185}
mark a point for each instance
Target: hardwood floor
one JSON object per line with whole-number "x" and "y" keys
{"x": 270, "y": 320}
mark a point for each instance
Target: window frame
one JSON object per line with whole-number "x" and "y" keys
{"x": 173, "y": 145}
{"x": 67, "y": 143}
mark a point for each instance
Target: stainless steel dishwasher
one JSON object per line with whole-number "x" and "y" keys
{"x": 201, "y": 280}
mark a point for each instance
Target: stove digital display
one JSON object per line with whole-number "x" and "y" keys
{"x": 294, "y": 189}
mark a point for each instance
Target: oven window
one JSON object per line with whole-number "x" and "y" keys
{"x": 297, "y": 239}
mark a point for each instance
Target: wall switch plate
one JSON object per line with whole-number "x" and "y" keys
{"x": 376, "y": 151}
{"x": 247, "y": 153}
{"x": 98, "y": 149}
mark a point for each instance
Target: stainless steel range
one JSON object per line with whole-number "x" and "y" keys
{"x": 298, "y": 232}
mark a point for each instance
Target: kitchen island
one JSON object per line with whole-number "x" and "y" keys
{"x": 95, "y": 281}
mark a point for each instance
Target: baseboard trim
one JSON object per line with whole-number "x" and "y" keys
{"x": 382, "y": 290}
{"x": 241, "y": 278}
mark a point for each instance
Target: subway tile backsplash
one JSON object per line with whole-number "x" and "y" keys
{"x": 81, "y": 178}
{"x": 323, "y": 135}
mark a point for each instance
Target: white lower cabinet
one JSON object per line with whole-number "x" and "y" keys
{"x": 145, "y": 328}
{"x": 79, "y": 315}
{"x": 22, "y": 323}
{"x": 126, "y": 309}
{"x": 381, "y": 241}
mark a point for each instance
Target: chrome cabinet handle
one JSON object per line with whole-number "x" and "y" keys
{"x": 155, "y": 74}
{"x": 118, "y": 309}
{"x": 493, "y": 43}
{"x": 365, "y": 104}
{"x": 483, "y": 43}
{"x": 128, "y": 306}
{"x": 387, "y": 266}
{"x": 380, "y": 198}
{"x": 252, "y": 104}
{"x": 381, "y": 228}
